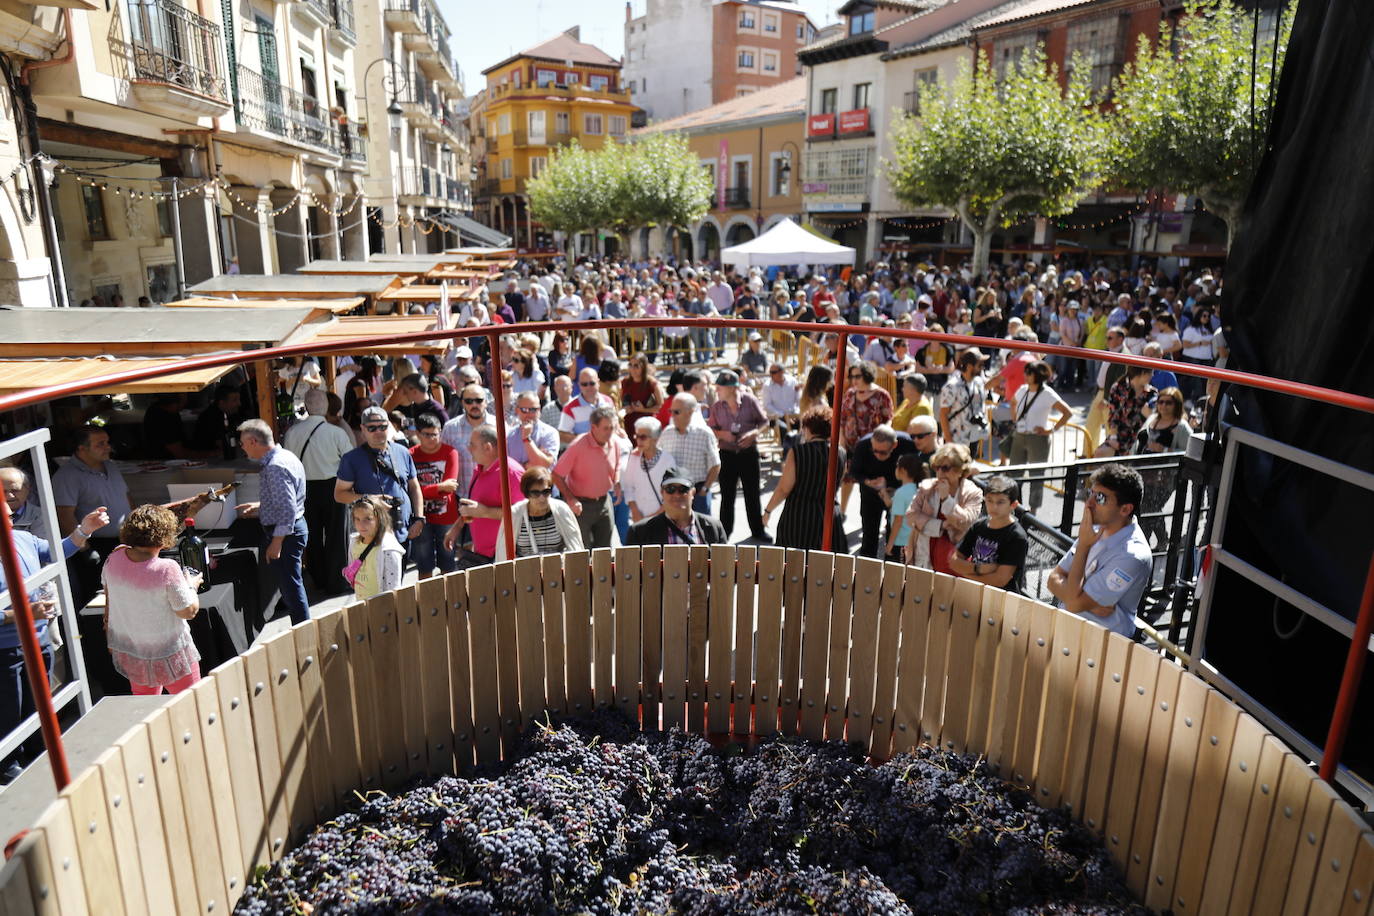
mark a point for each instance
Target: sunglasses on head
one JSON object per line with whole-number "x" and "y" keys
{"x": 676, "y": 489}
{"x": 375, "y": 427}
{"x": 541, "y": 492}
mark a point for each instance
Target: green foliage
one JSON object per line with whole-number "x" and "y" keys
{"x": 1184, "y": 119}
{"x": 656, "y": 180}
{"x": 997, "y": 151}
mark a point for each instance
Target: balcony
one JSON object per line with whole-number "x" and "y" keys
{"x": 558, "y": 90}
{"x": 420, "y": 106}
{"x": 177, "y": 60}
{"x": 420, "y": 186}
{"x": 352, "y": 147}
{"x": 314, "y": 12}
{"x": 403, "y": 16}
{"x": 271, "y": 108}
{"x": 911, "y": 103}
{"x": 341, "y": 26}
{"x": 738, "y": 198}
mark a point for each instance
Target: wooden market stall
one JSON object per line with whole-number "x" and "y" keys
{"x": 410, "y": 268}
{"x": 331, "y": 338}
{"x": 341, "y": 306}
{"x": 22, "y": 374}
{"x": 296, "y": 286}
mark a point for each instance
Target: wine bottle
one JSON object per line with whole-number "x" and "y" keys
{"x": 194, "y": 555}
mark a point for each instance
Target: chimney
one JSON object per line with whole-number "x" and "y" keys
{"x": 628, "y": 14}
{"x": 575, "y": 33}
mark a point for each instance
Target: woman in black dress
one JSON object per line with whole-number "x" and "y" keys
{"x": 803, "y": 487}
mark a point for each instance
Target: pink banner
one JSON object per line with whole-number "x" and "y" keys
{"x": 722, "y": 174}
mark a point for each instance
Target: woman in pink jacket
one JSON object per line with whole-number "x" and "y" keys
{"x": 943, "y": 508}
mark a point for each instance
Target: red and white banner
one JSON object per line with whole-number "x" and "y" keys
{"x": 854, "y": 122}
{"x": 820, "y": 125}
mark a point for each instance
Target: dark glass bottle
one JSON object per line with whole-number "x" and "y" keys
{"x": 194, "y": 555}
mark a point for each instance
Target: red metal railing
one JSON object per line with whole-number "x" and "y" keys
{"x": 1340, "y": 723}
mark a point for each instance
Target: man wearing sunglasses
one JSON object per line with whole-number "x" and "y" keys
{"x": 1106, "y": 571}
{"x": 531, "y": 442}
{"x": 458, "y": 431}
{"x": 677, "y": 523}
{"x": 576, "y": 418}
{"x": 383, "y": 468}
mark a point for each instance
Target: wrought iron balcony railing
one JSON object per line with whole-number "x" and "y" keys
{"x": 173, "y": 45}
{"x": 342, "y": 15}
{"x": 738, "y": 198}
{"x": 266, "y": 105}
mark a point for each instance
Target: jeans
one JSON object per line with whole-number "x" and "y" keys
{"x": 327, "y": 552}
{"x": 703, "y": 340}
{"x": 622, "y": 517}
{"x": 701, "y": 500}
{"x": 740, "y": 469}
{"x": 428, "y": 551}
{"x": 872, "y": 512}
{"x": 287, "y": 568}
{"x": 1030, "y": 448}
{"x": 16, "y": 700}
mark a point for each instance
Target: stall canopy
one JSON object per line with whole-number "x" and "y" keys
{"x": 784, "y": 245}
{"x": 330, "y": 336}
{"x": 469, "y": 230}
{"x": 23, "y": 374}
{"x": 416, "y": 266}
{"x": 333, "y": 306}
{"x": 293, "y": 286}
{"x": 29, "y": 332}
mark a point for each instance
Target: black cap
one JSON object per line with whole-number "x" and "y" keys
{"x": 676, "y": 475}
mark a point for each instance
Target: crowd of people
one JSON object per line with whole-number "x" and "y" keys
{"x": 652, "y": 436}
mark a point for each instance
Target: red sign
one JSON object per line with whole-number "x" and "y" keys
{"x": 854, "y": 122}
{"x": 819, "y": 125}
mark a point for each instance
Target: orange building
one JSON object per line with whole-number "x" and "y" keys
{"x": 551, "y": 94}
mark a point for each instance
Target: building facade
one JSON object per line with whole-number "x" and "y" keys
{"x": 683, "y": 55}
{"x": 752, "y": 148}
{"x": 557, "y": 92}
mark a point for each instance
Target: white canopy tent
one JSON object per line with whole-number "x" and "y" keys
{"x": 786, "y": 244}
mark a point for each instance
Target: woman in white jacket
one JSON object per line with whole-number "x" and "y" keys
{"x": 542, "y": 524}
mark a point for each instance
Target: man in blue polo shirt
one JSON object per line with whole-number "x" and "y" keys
{"x": 1106, "y": 571}
{"x": 385, "y": 468}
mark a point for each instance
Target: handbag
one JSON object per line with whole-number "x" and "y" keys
{"x": 350, "y": 572}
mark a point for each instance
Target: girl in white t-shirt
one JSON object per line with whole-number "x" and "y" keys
{"x": 1166, "y": 335}
{"x": 1031, "y": 408}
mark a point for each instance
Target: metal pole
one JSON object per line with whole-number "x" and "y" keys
{"x": 176, "y": 241}
{"x": 58, "y": 274}
{"x": 1350, "y": 680}
{"x": 494, "y": 371}
{"x": 832, "y": 463}
{"x": 34, "y": 667}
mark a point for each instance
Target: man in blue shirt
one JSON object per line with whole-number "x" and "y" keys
{"x": 380, "y": 467}
{"x": 281, "y": 510}
{"x": 1106, "y": 571}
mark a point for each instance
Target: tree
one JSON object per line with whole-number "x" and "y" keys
{"x": 577, "y": 190}
{"x": 1191, "y": 113}
{"x": 997, "y": 150}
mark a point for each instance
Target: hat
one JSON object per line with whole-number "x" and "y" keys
{"x": 375, "y": 413}
{"x": 923, "y": 299}
{"x": 970, "y": 354}
{"x": 676, "y": 475}
{"x": 463, "y": 353}
{"x": 755, "y": 335}
{"x": 727, "y": 378}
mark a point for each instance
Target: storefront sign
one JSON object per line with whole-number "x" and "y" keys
{"x": 834, "y": 207}
{"x": 854, "y": 122}
{"x": 820, "y": 125}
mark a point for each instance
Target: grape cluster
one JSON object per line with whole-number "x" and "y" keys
{"x": 592, "y": 816}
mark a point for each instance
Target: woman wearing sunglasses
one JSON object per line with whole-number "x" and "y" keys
{"x": 542, "y": 524}
{"x": 944, "y": 508}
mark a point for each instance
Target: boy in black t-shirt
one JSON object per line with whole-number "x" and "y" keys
{"x": 994, "y": 550}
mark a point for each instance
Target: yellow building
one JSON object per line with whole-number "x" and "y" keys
{"x": 539, "y": 99}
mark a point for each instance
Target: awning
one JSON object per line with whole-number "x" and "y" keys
{"x": 334, "y": 306}
{"x": 23, "y": 374}
{"x": 473, "y": 232}
{"x": 28, "y": 332}
{"x": 292, "y": 286}
{"x": 327, "y": 340}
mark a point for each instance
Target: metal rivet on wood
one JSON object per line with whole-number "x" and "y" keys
{"x": 1040, "y": 641}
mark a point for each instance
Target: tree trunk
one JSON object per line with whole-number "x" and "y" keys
{"x": 982, "y": 239}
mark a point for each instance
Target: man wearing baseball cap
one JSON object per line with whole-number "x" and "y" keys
{"x": 677, "y": 523}
{"x": 385, "y": 468}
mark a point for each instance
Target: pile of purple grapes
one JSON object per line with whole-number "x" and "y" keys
{"x": 593, "y": 816}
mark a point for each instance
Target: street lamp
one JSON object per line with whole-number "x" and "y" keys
{"x": 398, "y": 81}
{"x": 785, "y": 170}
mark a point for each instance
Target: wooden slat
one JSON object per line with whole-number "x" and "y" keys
{"x": 240, "y": 765}
{"x": 1344, "y": 834}
{"x": 555, "y": 655}
{"x": 1246, "y": 805}
{"x": 1012, "y": 645}
{"x": 698, "y": 625}
{"x": 885, "y": 661}
{"x": 215, "y": 744}
{"x": 1269, "y": 864}
{"x": 529, "y": 634}
{"x": 185, "y": 875}
{"x": 1322, "y": 799}
{"x": 1359, "y": 890}
{"x": 312, "y": 713}
{"x": 837, "y": 661}
{"x": 1181, "y": 779}
{"x": 460, "y": 671}
{"x": 507, "y": 655}
{"x": 486, "y": 703}
{"x": 1223, "y": 752}
{"x": 283, "y": 684}
{"x": 982, "y": 699}
{"x": 603, "y": 628}
{"x": 336, "y": 685}
{"x": 123, "y": 836}
{"x": 720, "y": 638}
{"x": 100, "y": 872}
{"x": 794, "y": 614}
{"x": 628, "y": 652}
{"x": 577, "y": 629}
{"x": 431, "y": 598}
{"x": 17, "y": 895}
{"x": 965, "y": 614}
{"x": 746, "y": 573}
{"x": 1032, "y": 693}
{"x": 863, "y": 649}
{"x": 145, "y": 808}
{"x": 412, "y": 697}
{"x": 1107, "y": 731}
{"x": 1083, "y": 728}
{"x": 820, "y": 569}
{"x": 651, "y": 635}
{"x": 62, "y": 871}
{"x": 384, "y": 644}
{"x": 768, "y": 645}
{"x": 1156, "y": 768}
{"x": 937, "y": 654}
{"x": 1133, "y": 742}
{"x": 1065, "y": 662}
{"x": 676, "y": 570}
{"x": 911, "y": 659}
{"x": 31, "y": 855}
{"x": 363, "y": 676}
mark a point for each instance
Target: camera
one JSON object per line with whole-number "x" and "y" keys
{"x": 394, "y": 507}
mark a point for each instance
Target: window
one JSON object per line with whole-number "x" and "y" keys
{"x": 545, "y": 78}
{"x": 742, "y": 91}
{"x": 599, "y": 83}
{"x": 779, "y": 168}
{"x": 1098, "y": 40}
{"x": 507, "y": 168}
{"x": 770, "y": 23}
{"x": 503, "y": 124}
{"x": 591, "y": 124}
{"x": 801, "y": 31}
{"x": 1007, "y": 52}
{"x": 617, "y": 125}
{"x": 770, "y": 63}
{"x": 844, "y": 172}
{"x": 537, "y": 122}
{"x": 922, "y": 81}
{"x": 93, "y": 202}
{"x": 537, "y": 165}
{"x": 741, "y": 166}
{"x": 861, "y": 91}
{"x": 861, "y": 22}
{"x": 746, "y": 19}
{"x": 633, "y": 90}
{"x": 830, "y": 100}
{"x": 562, "y": 123}
{"x": 491, "y": 130}
{"x": 164, "y": 218}
{"x": 746, "y": 60}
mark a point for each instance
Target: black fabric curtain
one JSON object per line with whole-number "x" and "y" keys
{"x": 1297, "y": 305}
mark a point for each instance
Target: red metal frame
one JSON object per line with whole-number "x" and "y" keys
{"x": 37, "y": 673}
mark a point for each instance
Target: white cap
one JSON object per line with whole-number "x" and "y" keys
{"x": 463, "y": 353}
